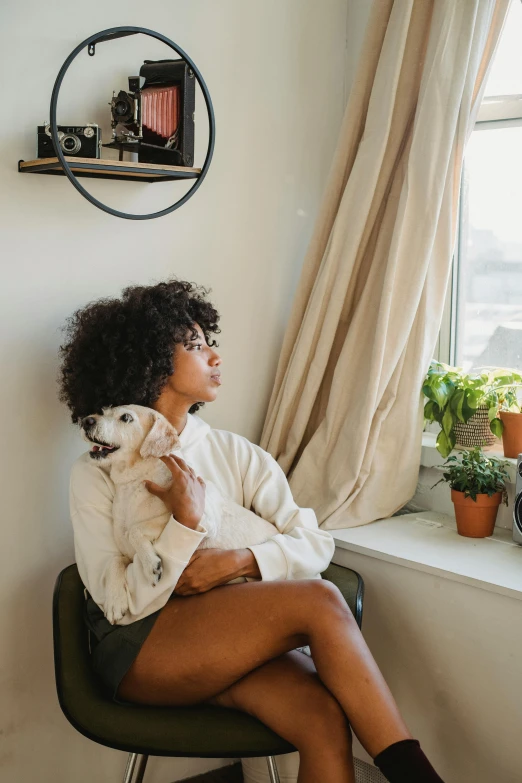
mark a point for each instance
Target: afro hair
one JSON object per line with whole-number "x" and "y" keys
{"x": 120, "y": 351}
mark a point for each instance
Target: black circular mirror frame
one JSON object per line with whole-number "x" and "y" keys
{"x": 106, "y": 35}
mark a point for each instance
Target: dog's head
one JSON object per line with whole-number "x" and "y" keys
{"x": 128, "y": 429}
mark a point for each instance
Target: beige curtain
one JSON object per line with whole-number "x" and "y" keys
{"x": 345, "y": 417}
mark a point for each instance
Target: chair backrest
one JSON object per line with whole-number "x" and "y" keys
{"x": 77, "y": 685}
{"x": 351, "y": 585}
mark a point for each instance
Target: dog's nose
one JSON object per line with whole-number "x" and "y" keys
{"x": 88, "y": 422}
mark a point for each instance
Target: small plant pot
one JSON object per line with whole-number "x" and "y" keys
{"x": 476, "y": 431}
{"x": 512, "y": 433}
{"x": 476, "y": 518}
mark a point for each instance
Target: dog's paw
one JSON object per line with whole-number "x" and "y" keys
{"x": 154, "y": 569}
{"x": 151, "y": 564}
{"x": 116, "y": 609}
{"x": 157, "y": 571}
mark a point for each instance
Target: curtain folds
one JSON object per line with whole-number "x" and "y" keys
{"x": 345, "y": 417}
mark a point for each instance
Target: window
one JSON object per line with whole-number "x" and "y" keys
{"x": 483, "y": 319}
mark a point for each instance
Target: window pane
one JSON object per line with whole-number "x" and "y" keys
{"x": 489, "y": 307}
{"x": 505, "y": 76}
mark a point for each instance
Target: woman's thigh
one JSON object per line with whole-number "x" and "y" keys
{"x": 201, "y": 644}
{"x": 288, "y": 695}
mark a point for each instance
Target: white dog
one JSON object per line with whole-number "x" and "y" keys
{"x": 127, "y": 442}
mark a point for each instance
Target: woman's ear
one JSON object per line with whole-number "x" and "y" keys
{"x": 162, "y": 438}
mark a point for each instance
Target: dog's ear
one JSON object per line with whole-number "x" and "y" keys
{"x": 161, "y": 439}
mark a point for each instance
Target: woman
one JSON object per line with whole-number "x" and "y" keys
{"x": 184, "y": 642}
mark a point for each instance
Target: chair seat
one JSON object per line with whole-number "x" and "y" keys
{"x": 205, "y": 731}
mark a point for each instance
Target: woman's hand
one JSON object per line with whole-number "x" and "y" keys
{"x": 185, "y": 496}
{"x": 208, "y": 568}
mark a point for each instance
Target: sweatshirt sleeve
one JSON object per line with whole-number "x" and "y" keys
{"x": 91, "y": 496}
{"x": 300, "y": 550}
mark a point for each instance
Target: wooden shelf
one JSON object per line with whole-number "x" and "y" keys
{"x": 109, "y": 169}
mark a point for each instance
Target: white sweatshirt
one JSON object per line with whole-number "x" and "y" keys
{"x": 243, "y": 471}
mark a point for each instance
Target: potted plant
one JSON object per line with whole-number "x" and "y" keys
{"x": 478, "y": 487}
{"x": 511, "y": 418}
{"x": 467, "y": 405}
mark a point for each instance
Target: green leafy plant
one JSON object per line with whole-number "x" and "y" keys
{"x": 476, "y": 474}
{"x": 454, "y": 395}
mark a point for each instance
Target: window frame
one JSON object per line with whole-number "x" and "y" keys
{"x": 496, "y": 111}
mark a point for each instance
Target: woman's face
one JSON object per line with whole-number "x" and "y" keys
{"x": 196, "y": 366}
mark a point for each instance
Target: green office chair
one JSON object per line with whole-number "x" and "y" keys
{"x": 203, "y": 731}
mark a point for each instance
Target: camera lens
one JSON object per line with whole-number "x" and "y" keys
{"x": 121, "y": 108}
{"x": 70, "y": 143}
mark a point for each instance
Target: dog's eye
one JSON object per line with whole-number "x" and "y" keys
{"x": 126, "y": 417}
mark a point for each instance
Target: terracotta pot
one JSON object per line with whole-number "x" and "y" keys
{"x": 476, "y": 518}
{"x": 512, "y": 433}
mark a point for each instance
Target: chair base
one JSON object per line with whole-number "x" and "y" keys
{"x": 272, "y": 769}
{"x": 137, "y": 762}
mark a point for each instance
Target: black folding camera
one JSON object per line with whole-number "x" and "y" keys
{"x": 84, "y": 141}
{"x": 155, "y": 117}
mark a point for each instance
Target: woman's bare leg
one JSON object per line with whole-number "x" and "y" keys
{"x": 202, "y": 644}
{"x": 287, "y": 694}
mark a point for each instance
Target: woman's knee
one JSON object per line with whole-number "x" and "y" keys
{"x": 328, "y": 597}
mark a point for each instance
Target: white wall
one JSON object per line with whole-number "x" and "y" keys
{"x": 276, "y": 74}
{"x": 449, "y": 654}
{"x": 357, "y": 20}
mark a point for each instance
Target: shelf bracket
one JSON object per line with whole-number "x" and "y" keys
{"x": 91, "y": 49}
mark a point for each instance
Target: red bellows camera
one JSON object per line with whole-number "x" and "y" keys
{"x": 160, "y": 114}
{"x": 155, "y": 118}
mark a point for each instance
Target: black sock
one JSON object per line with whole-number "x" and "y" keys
{"x": 405, "y": 762}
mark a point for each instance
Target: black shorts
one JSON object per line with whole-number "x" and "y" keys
{"x": 115, "y": 647}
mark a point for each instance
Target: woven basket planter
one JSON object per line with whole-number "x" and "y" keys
{"x": 475, "y": 431}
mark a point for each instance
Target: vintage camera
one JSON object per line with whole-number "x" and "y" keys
{"x": 155, "y": 117}
{"x": 84, "y": 141}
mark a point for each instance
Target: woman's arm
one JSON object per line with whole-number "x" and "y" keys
{"x": 91, "y": 496}
{"x": 209, "y": 568}
{"x": 247, "y": 564}
{"x": 300, "y": 549}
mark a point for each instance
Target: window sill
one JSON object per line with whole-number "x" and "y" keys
{"x": 430, "y": 457}
{"x": 428, "y": 541}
